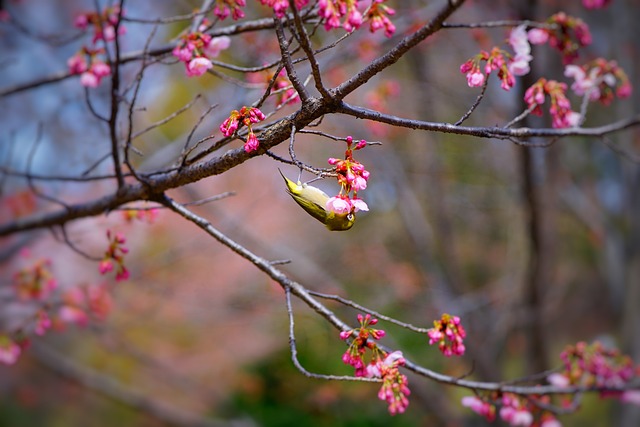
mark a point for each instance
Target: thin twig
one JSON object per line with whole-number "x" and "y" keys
{"x": 475, "y": 104}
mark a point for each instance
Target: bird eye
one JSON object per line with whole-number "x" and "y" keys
{"x": 350, "y": 217}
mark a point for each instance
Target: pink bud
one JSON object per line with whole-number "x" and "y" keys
{"x": 88, "y": 79}
{"x": 198, "y": 66}
{"x": 537, "y": 36}
{"x": 475, "y": 79}
{"x": 252, "y": 143}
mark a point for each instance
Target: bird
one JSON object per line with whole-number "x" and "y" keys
{"x": 314, "y": 201}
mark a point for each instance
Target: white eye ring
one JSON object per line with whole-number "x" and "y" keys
{"x": 350, "y": 217}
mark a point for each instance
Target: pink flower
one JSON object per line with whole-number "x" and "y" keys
{"x": 449, "y": 334}
{"x": 379, "y": 18}
{"x": 359, "y": 183}
{"x": 551, "y": 422}
{"x": 88, "y": 79}
{"x": 475, "y": 79}
{"x": 255, "y": 115}
{"x": 122, "y": 273}
{"x": 393, "y": 359}
{"x": 99, "y": 301}
{"x": 100, "y": 69}
{"x": 35, "y": 282}
{"x": 359, "y": 205}
{"x": 631, "y": 396}
{"x": 520, "y": 65}
{"x": 538, "y": 36}
{"x": 338, "y": 205}
{"x": 43, "y": 322}
{"x": 81, "y": 21}
{"x": 72, "y": 314}
{"x": 198, "y": 66}
{"x": 480, "y": 407}
{"x": 519, "y": 41}
{"x": 222, "y": 9}
{"x": 516, "y": 417}
{"x": 595, "y": 4}
{"x": 105, "y": 266}
{"x": 624, "y": 90}
{"x": 216, "y": 45}
{"x": 77, "y": 63}
{"x": 572, "y": 119}
{"x": 252, "y": 143}
{"x": 109, "y": 33}
{"x": 229, "y": 126}
{"x": 184, "y": 54}
{"x": 354, "y": 20}
{"x": 558, "y": 380}
{"x": 9, "y": 350}
{"x": 279, "y": 6}
{"x": 583, "y": 84}
{"x": 346, "y": 334}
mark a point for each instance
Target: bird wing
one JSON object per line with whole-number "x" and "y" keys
{"x": 311, "y": 199}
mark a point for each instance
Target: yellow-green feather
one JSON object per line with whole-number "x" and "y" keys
{"x": 314, "y": 201}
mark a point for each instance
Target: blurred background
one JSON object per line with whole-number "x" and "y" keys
{"x": 533, "y": 248}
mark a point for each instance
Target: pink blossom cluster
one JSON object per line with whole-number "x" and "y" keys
{"x": 43, "y": 309}
{"x": 585, "y": 365}
{"x": 104, "y": 23}
{"x": 519, "y": 41}
{"x": 595, "y": 4}
{"x": 10, "y": 349}
{"x": 333, "y": 10}
{"x": 91, "y": 68}
{"x": 246, "y": 116}
{"x": 514, "y": 411}
{"x": 224, "y": 8}
{"x": 82, "y": 303}
{"x": 395, "y": 386}
{"x": 378, "y": 17}
{"x": 449, "y": 333}
{"x": 497, "y": 60}
{"x": 78, "y": 305}
{"x": 354, "y": 356}
{"x": 146, "y": 215}
{"x": 564, "y": 33}
{"x": 196, "y": 50}
{"x": 562, "y": 116}
{"x": 507, "y": 66}
{"x": 114, "y": 256}
{"x": 285, "y": 93}
{"x": 600, "y": 80}
{"x": 280, "y": 6}
{"x": 517, "y": 411}
{"x": 35, "y": 282}
{"x": 87, "y": 61}
{"x": 480, "y": 407}
{"x": 594, "y": 365}
{"x": 352, "y": 177}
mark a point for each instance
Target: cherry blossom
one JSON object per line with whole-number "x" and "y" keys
{"x": 449, "y": 334}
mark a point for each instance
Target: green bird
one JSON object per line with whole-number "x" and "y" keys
{"x": 314, "y": 201}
